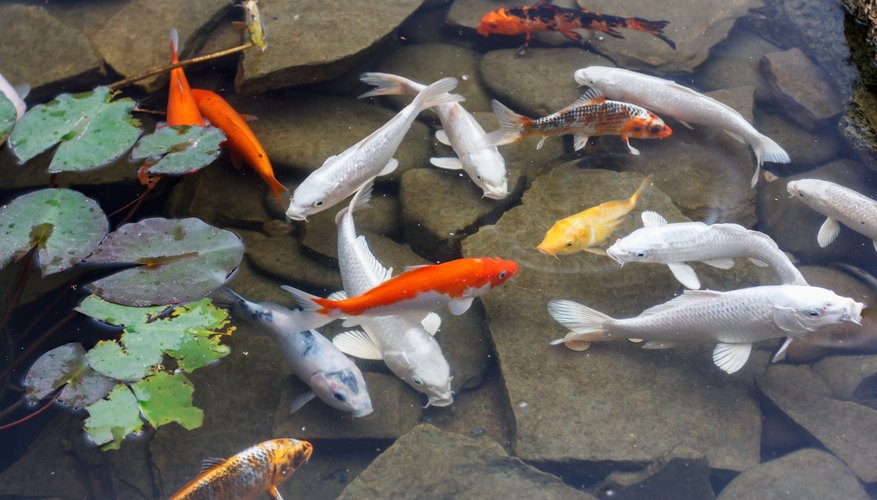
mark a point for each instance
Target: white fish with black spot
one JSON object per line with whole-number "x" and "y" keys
{"x": 735, "y": 320}
{"x": 406, "y": 346}
{"x": 342, "y": 174}
{"x": 841, "y": 205}
{"x": 331, "y": 375}
{"x": 716, "y": 245}
{"x": 475, "y": 156}
{"x": 667, "y": 97}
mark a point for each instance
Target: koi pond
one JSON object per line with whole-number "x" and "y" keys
{"x": 605, "y": 249}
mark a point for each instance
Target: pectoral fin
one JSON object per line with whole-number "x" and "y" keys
{"x": 758, "y": 262}
{"x": 781, "y": 352}
{"x": 579, "y": 141}
{"x": 632, "y": 149}
{"x": 685, "y": 275}
{"x": 273, "y": 493}
{"x": 720, "y": 263}
{"x": 541, "y": 143}
{"x": 301, "y": 400}
{"x": 828, "y": 232}
{"x": 731, "y": 357}
{"x": 449, "y": 163}
{"x": 459, "y": 306}
{"x": 431, "y": 323}
{"x": 390, "y": 167}
{"x": 442, "y": 137}
{"x": 596, "y": 251}
{"x": 357, "y": 343}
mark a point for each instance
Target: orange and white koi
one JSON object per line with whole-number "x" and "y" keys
{"x": 547, "y": 17}
{"x": 590, "y": 115}
{"x": 251, "y": 472}
{"x": 413, "y": 293}
{"x": 181, "y": 106}
{"x": 240, "y": 141}
{"x": 591, "y": 227}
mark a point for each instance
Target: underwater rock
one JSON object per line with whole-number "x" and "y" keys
{"x": 87, "y": 17}
{"x": 300, "y": 133}
{"x": 328, "y": 476}
{"x": 35, "y": 174}
{"x": 805, "y": 474}
{"x": 482, "y": 411}
{"x": 807, "y": 149}
{"x": 49, "y": 55}
{"x": 681, "y": 474}
{"x": 734, "y": 62}
{"x": 458, "y": 465}
{"x": 852, "y": 378}
{"x": 397, "y": 409}
{"x": 843, "y": 427}
{"x": 678, "y": 391}
{"x": 383, "y": 216}
{"x": 282, "y": 258}
{"x": 303, "y": 46}
{"x": 857, "y": 126}
{"x": 132, "y": 47}
{"x": 800, "y": 87}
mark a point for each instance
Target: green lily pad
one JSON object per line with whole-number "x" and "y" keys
{"x": 166, "y": 398}
{"x": 197, "y": 352}
{"x": 179, "y": 261}
{"x": 116, "y": 314}
{"x": 7, "y": 117}
{"x": 131, "y": 363}
{"x": 111, "y": 419}
{"x": 65, "y": 225}
{"x": 92, "y": 130}
{"x": 66, "y": 365}
{"x": 179, "y": 150}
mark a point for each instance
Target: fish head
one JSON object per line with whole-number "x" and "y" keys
{"x": 648, "y": 126}
{"x": 563, "y": 238}
{"x": 813, "y": 192}
{"x": 639, "y": 246}
{"x": 312, "y": 196}
{"x": 289, "y": 455}
{"x": 499, "y": 270}
{"x": 423, "y": 366}
{"x": 499, "y": 22}
{"x": 487, "y": 169}
{"x": 809, "y": 308}
{"x": 344, "y": 390}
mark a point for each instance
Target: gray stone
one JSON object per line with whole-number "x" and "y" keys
{"x": 734, "y": 62}
{"x": 800, "y": 87}
{"x": 857, "y": 126}
{"x": 397, "y": 409}
{"x": 846, "y": 429}
{"x": 804, "y": 474}
{"x": 87, "y": 17}
{"x": 459, "y": 467}
{"x": 852, "y": 378}
{"x": 35, "y": 173}
{"x": 329, "y": 471}
{"x": 132, "y": 47}
{"x": 382, "y": 217}
{"x": 682, "y": 474}
{"x": 282, "y": 258}
{"x": 806, "y": 149}
{"x": 677, "y": 395}
{"x": 312, "y": 41}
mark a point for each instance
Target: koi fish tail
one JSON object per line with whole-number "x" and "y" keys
{"x": 226, "y": 297}
{"x": 767, "y": 150}
{"x": 654, "y": 28}
{"x": 585, "y": 324}
{"x": 316, "y": 311}
{"x": 511, "y": 125}
{"x": 648, "y": 181}
{"x": 387, "y": 84}
{"x": 276, "y": 187}
{"x": 175, "y": 46}
{"x": 437, "y": 93}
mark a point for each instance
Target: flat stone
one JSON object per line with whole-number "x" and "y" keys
{"x": 852, "y": 378}
{"x": 843, "y": 427}
{"x": 458, "y": 465}
{"x": 804, "y": 474}
{"x": 282, "y": 258}
{"x": 330, "y": 470}
{"x": 683, "y": 474}
{"x": 800, "y": 87}
{"x": 397, "y": 409}
{"x": 807, "y": 149}
{"x": 87, "y": 17}
{"x": 857, "y": 126}
{"x": 734, "y": 62}
{"x": 382, "y": 217}
{"x": 299, "y": 49}
{"x": 678, "y": 391}
{"x": 131, "y": 46}
{"x": 35, "y": 173}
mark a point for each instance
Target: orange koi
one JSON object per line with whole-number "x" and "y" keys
{"x": 251, "y": 472}
{"x": 241, "y": 142}
{"x": 547, "y": 17}
{"x": 181, "y": 106}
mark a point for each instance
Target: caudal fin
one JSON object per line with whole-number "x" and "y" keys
{"x": 387, "y": 84}
{"x": 510, "y": 125}
{"x": 767, "y": 150}
{"x": 585, "y": 324}
{"x": 437, "y": 93}
{"x": 648, "y": 181}
{"x": 654, "y": 28}
{"x": 316, "y": 311}
{"x": 226, "y": 297}
{"x": 175, "y": 46}
{"x": 276, "y": 187}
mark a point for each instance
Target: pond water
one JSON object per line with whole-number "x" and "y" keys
{"x": 527, "y": 418}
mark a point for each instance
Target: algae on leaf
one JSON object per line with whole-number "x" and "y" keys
{"x": 7, "y": 117}
{"x": 179, "y": 150}
{"x": 111, "y": 419}
{"x": 166, "y": 398}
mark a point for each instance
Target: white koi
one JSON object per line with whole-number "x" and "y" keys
{"x": 16, "y": 96}
{"x": 840, "y": 205}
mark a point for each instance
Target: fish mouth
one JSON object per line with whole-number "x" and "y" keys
{"x": 440, "y": 401}
{"x": 295, "y": 216}
{"x": 546, "y": 251}
{"x": 363, "y": 412}
{"x": 613, "y": 256}
{"x": 855, "y": 314}
{"x": 495, "y": 195}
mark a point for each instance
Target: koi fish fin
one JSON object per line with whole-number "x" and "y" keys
{"x": 828, "y": 232}
{"x": 442, "y": 137}
{"x": 459, "y": 306}
{"x": 720, "y": 263}
{"x": 175, "y": 45}
{"x": 735, "y": 136}
{"x": 249, "y": 118}
{"x": 389, "y": 167}
{"x": 360, "y": 200}
{"x": 579, "y": 319}
{"x": 647, "y": 181}
{"x": 449, "y": 163}
{"x": 579, "y": 141}
{"x": 541, "y": 142}
{"x": 339, "y": 295}
{"x": 274, "y": 493}
{"x": 654, "y": 28}
{"x": 572, "y": 35}
{"x": 684, "y": 274}
{"x": 353, "y": 321}
{"x": 510, "y": 124}
{"x": 731, "y": 357}
{"x": 437, "y": 93}
{"x": 591, "y": 96}
{"x": 211, "y": 463}
{"x": 387, "y": 84}
{"x": 357, "y": 343}
{"x": 595, "y": 251}
{"x": 781, "y": 351}
{"x": 632, "y": 149}
{"x": 767, "y": 150}
{"x": 431, "y": 323}
{"x": 22, "y": 89}
{"x": 652, "y": 219}
{"x": 635, "y": 341}
{"x": 316, "y": 311}
{"x": 758, "y": 262}
{"x": 301, "y": 400}
{"x": 687, "y": 125}
{"x": 874, "y": 242}
{"x": 660, "y": 344}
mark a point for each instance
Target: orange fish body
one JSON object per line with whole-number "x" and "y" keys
{"x": 547, "y": 17}
{"x": 240, "y": 139}
{"x": 251, "y": 472}
{"x": 181, "y": 106}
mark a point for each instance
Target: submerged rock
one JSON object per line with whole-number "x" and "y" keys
{"x": 800, "y": 87}
{"x": 807, "y": 149}
{"x": 458, "y": 465}
{"x": 734, "y": 62}
{"x": 852, "y": 378}
{"x": 282, "y": 258}
{"x": 682, "y": 474}
{"x": 383, "y": 217}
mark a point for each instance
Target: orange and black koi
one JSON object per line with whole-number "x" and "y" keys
{"x": 547, "y": 17}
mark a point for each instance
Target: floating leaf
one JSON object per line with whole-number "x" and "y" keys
{"x": 166, "y": 398}
{"x": 116, "y": 314}
{"x": 92, "y": 130}
{"x": 111, "y": 419}
{"x": 179, "y": 150}
{"x": 128, "y": 364}
{"x": 180, "y": 260}
{"x": 197, "y": 352}
{"x": 66, "y": 365}
{"x": 66, "y": 225}
{"x": 7, "y": 117}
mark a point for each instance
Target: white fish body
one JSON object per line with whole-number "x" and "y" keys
{"x": 841, "y": 205}
{"x": 717, "y": 245}
{"x": 408, "y": 349}
{"x": 481, "y": 161}
{"x": 331, "y": 375}
{"x": 735, "y": 320}
{"x": 666, "y": 97}
{"x": 341, "y": 175}
{"x": 16, "y": 95}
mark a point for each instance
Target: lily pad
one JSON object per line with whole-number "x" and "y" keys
{"x": 111, "y": 419}
{"x": 179, "y": 261}
{"x": 116, "y": 314}
{"x": 65, "y": 225}
{"x": 179, "y": 150}
{"x": 66, "y": 365}
{"x": 7, "y": 117}
{"x": 93, "y": 131}
{"x": 166, "y": 398}
{"x": 131, "y": 363}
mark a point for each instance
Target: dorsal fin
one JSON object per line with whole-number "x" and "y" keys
{"x": 360, "y": 199}
{"x": 591, "y": 96}
{"x": 175, "y": 44}
{"x": 211, "y": 463}
{"x": 374, "y": 266}
{"x": 686, "y": 297}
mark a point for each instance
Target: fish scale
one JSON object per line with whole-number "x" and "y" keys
{"x": 592, "y": 118}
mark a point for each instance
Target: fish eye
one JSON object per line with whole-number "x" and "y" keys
{"x": 478, "y": 177}
{"x": 417, "y": 381}
{"x": 656, "y": 129}
{"x": 502, "y": 275}
{"x": 318, "y": 203}
{"x": 640, "y": 254}
{"x": 569, "y": 243}
{"x": 339, "y": 397}
{"x": 813, "y": 313}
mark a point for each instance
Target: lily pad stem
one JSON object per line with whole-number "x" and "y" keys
{"x": 34, "y": 414}
{"x": 20, "y": 283}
